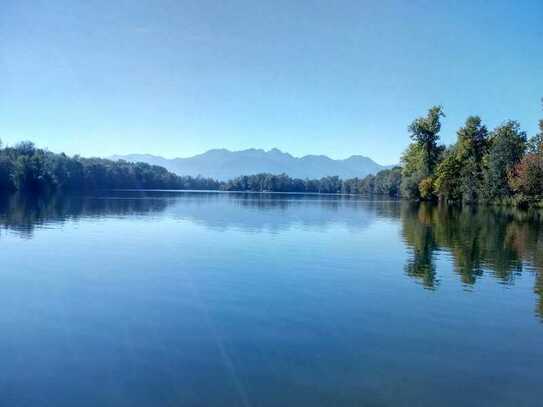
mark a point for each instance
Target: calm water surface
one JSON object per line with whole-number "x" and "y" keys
{"x": 206, "y": 299}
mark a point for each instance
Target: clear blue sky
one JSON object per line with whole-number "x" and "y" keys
{"x": 176, "y": 78}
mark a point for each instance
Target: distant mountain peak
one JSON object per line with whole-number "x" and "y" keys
{"x": 358, "y": 157}
{"x": 223, "y": 164}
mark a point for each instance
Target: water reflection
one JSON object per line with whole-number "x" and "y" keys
{"x": 500, "y": 241}
{"x": 23, "y": 213}
{"x": 220, "y": 211}
{"x": 279, "y": 212}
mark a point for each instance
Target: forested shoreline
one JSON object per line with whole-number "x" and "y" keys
{"x": 26, "y": 168}
{"x": 501, "y": 166}
{"x": 29, "y": 169}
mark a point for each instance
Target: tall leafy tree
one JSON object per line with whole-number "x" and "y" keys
{"x": 527, "y": 176}
{"x": 472, "y": 146}
{"x": 507, "y": 146}
{"x": 422, "y": 155}
{"x": 448, "y": 180}
{"x": 536, "y": 143}
{"x": 413, "y": 171}
{"x": 424, "y": 131}
{"x": 6, "y": 170}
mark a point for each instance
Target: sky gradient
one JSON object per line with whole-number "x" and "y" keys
{"x": 176, "y": 78}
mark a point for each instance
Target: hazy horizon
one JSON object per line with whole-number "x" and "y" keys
{"x": 176, "y": 79}
{"x": 170, "y": 157}
{"x": 173, "y": 157}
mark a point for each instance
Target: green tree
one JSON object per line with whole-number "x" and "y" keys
{"x": 26, "y": 148}
{"x": 535, "y": 145}
{"x": 413, "y": 171}
{"x": 424, "y": 131}
{"x": 472, "y": 146}
{"x": 526, "y": 177}
{"x": 387, "y": 182}
{"x": 507, "y": 146}
{"x": 6, "y": 171}
{"x": 422, "y": 155}
{"x": 448, "y": 182}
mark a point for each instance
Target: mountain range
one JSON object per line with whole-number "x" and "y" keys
{"x": 222, "y": 164}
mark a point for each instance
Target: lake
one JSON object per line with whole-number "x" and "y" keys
{"x": 213, "y": 299}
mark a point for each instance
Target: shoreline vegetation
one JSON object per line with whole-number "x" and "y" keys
{"x": 502, "y": 166}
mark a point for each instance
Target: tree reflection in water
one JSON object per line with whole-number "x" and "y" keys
{"x": 500, "y": 241}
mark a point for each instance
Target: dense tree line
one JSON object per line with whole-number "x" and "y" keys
{"x": 27, "y": 168}
{"x": 386, "y": 182}
{"x": 501, "y": 165}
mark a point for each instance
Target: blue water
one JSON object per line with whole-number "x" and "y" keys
{"x": 209, "y": 299}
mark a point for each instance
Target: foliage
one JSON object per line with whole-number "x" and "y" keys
{"x": 6, "y": 171}
{"x": 426, "y": 188}
{"x": 501, "y": 166}
{"x": 507, "y": 146}
{"x": 424, "y": 131}
{"x": 448, "y": 182}
{"x": 412, "y": 171}
{"x": 459, "y": 176}
{"x": 536, "y": 142}
{"x": 527, "y": 176}
{"x": 386, "y": 182}
{"x": 27, "y": 168}
{"x": 422, "y": 155}
{"x": 472, "y": 147}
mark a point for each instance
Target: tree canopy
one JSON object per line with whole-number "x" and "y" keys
{"x": 501, "y": 165}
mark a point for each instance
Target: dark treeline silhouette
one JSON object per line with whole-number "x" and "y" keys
{"x": 499, "y": 166}
{"x": 27, "y": 168}
{"x": 385, "y": 182}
